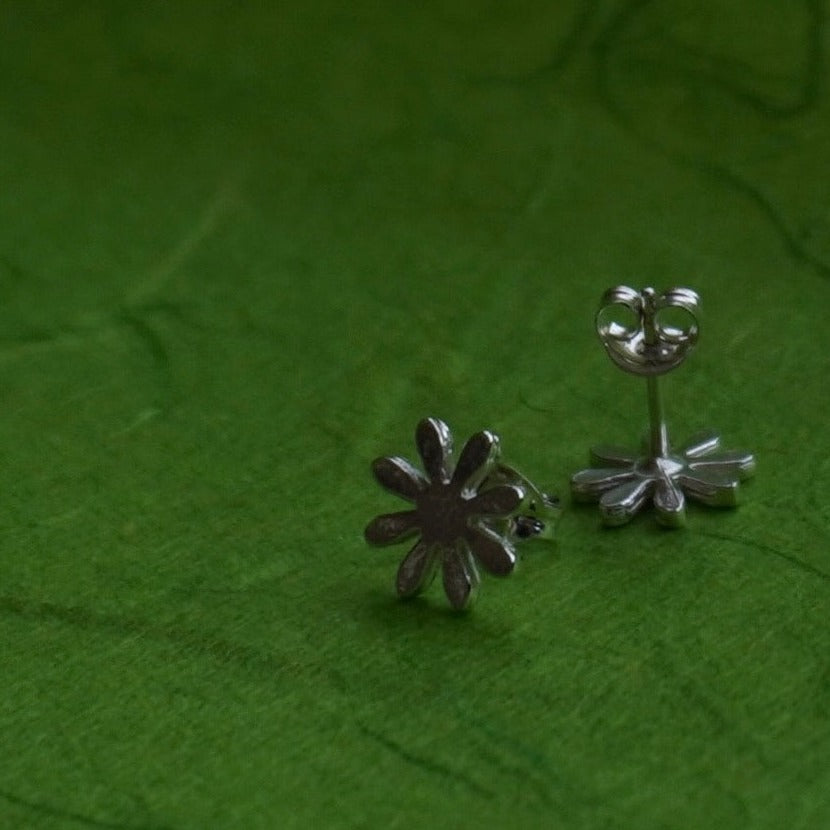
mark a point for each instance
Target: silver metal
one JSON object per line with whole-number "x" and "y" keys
{"x": 660, "y": 333}
{"x": 465, "y": 512}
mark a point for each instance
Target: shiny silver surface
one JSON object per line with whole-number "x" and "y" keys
{"x": 465, "y": 513}
{"x": 649, "y": 334}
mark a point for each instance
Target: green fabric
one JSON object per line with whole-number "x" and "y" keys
{"x": 244, "y": 248}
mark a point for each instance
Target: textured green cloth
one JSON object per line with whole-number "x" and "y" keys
{"x": 244, "y": 248}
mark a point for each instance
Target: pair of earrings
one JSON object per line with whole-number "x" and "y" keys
{"x": 475, "y": 509}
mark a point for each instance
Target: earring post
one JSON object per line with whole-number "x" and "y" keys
{"x": 623, "y": 482}
{"x": 658, "y": 431}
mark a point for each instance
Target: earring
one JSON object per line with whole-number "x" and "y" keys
{"x": 468, "y": 511}
{"x": 660, "y": 332}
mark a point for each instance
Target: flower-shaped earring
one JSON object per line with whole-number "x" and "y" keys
{"x": 657, "y": 337}
{"x": 465, "y": 512}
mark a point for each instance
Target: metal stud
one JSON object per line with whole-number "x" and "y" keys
{"x": 465, "y": 513}
{"x": 660, "y": 332}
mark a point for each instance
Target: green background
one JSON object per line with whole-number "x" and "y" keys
{"x": 244, "y": 248}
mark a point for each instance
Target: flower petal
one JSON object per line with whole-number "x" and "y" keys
{"x": 434, "y": 441}
{"x": 417, "y": 570}
{"x": 399, "y": 477}
{"x": 495, "y": 553}
{"x": 700, "y": 444}
{"x": 497, "y": 501}
{"x": 608, "y": 456}
{"x": 734, "y": 463}
{"x": 712, "y": 487}
{"x": 619, "y": 505}
{"x": 478, "y": 455}
{"x": 460, "y": 576}
{"x": 670, "y": 503}
{"x": 589, "y": 485}
{"x": 391, "y": 527}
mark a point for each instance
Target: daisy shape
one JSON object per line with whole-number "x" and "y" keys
{"x": 623, "y": 482}
{"x": 455, "y": 513}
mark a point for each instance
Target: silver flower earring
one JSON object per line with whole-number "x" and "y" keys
{"x": 662, "y": 333}
{"x": 465, "y": 512}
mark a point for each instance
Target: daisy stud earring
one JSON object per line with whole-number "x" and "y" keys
{"x": 649, "y": 334}
{"x": 464, "y": 513}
